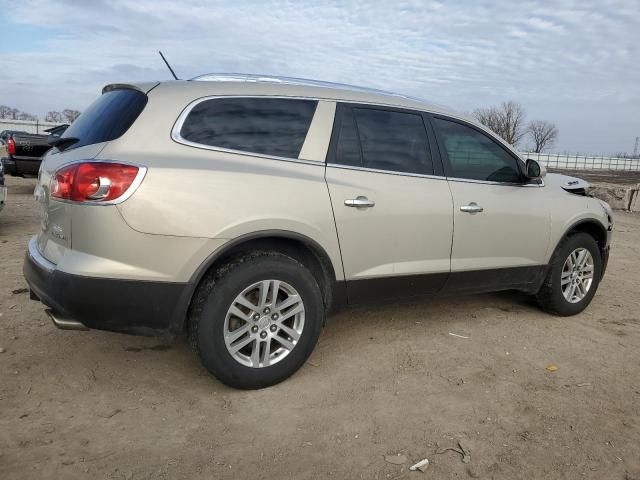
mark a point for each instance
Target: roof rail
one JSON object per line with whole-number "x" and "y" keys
{"x": 246, "y": 77}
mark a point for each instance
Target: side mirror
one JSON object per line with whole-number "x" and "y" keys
{"x": 534, "y": 170}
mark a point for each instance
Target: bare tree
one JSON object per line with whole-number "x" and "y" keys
{"x": 8, "y": 112}
{"x": 5, "y": 111}
{"x": 507, "y": 120}
{"x": 15, "y": 114}
{"x": 54, "y": 116}
{"x": 542, "y": 133}
{"x": 66, "y": 116}
{"x": 26, "y": 116}
{"x": 70, "y": 115}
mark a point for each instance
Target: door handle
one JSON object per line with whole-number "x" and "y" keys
{"x": 360, "y": 202}
{"x": 473, "y": 207}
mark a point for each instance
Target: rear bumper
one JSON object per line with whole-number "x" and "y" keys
{"x": 127, "y": 306}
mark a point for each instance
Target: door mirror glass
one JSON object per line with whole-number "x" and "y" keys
{"x": 535, "y": 170}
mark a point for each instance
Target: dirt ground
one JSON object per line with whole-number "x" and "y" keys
{"x": 383, "y": 381}
{"x": 607, "y": 176}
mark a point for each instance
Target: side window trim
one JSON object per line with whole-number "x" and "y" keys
{"x": 177, "y": 127}
{"x": 353, "y": 118}
{"x": 343, "y": 107}
{"x": 346, "y": 114}
{"x": 445, "y": 158}
{"x": 438, "y": 161}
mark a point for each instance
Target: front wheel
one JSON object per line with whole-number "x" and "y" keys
{"x": 572, "y": 280}
{"x": 256, "y": 320}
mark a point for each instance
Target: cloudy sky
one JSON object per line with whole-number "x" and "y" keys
{"x": 573, "y": 62}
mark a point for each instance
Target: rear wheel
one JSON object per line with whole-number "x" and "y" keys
{"x": 256, "y": 320}
{"x": 573, "y": 278}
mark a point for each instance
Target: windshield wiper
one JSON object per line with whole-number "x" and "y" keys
{"x": 63, "y": 142}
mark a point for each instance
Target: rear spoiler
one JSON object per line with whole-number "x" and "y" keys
{"x": 144, "y": 87}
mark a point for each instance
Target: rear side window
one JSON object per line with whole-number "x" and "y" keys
{"x": 474, "y": 155}
{"x": 268, "y": 126}
{"x": 108, "y": 118}
{"x": 384, "y": 140}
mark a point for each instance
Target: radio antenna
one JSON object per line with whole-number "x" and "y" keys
{"x": 168, "y": 66}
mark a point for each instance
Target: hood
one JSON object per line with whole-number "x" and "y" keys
{"x": 570, "y": 184}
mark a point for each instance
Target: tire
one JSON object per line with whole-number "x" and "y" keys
{"x": 211, "y": 318}
{"x": 551, "y": 297}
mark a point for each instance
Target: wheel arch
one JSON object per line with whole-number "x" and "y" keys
{"x": 300, "y": 247}
{"x": 591, "y": 227}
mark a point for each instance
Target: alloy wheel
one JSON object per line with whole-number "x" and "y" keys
{"x": 264, "y": 323}
{"x": 577, "y": 275}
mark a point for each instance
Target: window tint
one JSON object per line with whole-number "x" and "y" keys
{"x": 270, "y": 126}
{"x": 348, "y": 150}
{"x": 389, "y": 140}
{"x": 108, "y": 118}
{"x": 474, "y": 155}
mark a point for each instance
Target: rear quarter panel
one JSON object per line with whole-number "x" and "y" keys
{"x": 197, "y": 192}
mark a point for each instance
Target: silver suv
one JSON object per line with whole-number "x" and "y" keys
{"x": 241, "y": 209}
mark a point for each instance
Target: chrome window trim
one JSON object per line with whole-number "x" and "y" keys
{"x": 433, "y": 177}
{"x": 142, "y": 171}
{"x": 178, "y": 138}
{"x": 177, "y": 126}
{"x": 390, "y": 172}
{"x": 489, "y": 182}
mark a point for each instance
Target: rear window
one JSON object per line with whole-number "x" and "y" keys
{"x": 268, "y": 126}
{"x": 108, "y": 118}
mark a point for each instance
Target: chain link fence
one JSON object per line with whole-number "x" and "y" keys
{"x": 584, "y": 162}
{"x": 28, "y": 126}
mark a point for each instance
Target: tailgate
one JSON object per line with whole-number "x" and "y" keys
{"x": 55, "y": 216}
{"x": 106, "y": 119}
{"x": 30, "y": 147}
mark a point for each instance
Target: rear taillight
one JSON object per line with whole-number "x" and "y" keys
{"x": 93, "y": 181}
{"x": 11, "y": 146}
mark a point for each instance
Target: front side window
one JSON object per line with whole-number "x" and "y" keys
{"x": 474, "y": 155}
{"x": 384, "y": 140}
{"x": 268, "y": 126}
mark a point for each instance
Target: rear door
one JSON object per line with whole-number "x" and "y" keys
{"x": 501, "y": 221}
{"x": 392, "y": 205}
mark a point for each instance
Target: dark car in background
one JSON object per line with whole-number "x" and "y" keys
{"x": 3, "y": 188}
{"x": 21, "y": 152}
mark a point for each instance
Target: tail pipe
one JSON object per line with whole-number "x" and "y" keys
{"x": 65, "y": 323}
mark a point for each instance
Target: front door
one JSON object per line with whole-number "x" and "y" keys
{"x": 501, "y": 222}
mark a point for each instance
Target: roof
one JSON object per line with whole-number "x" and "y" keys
{"x": 321, "y": 89}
